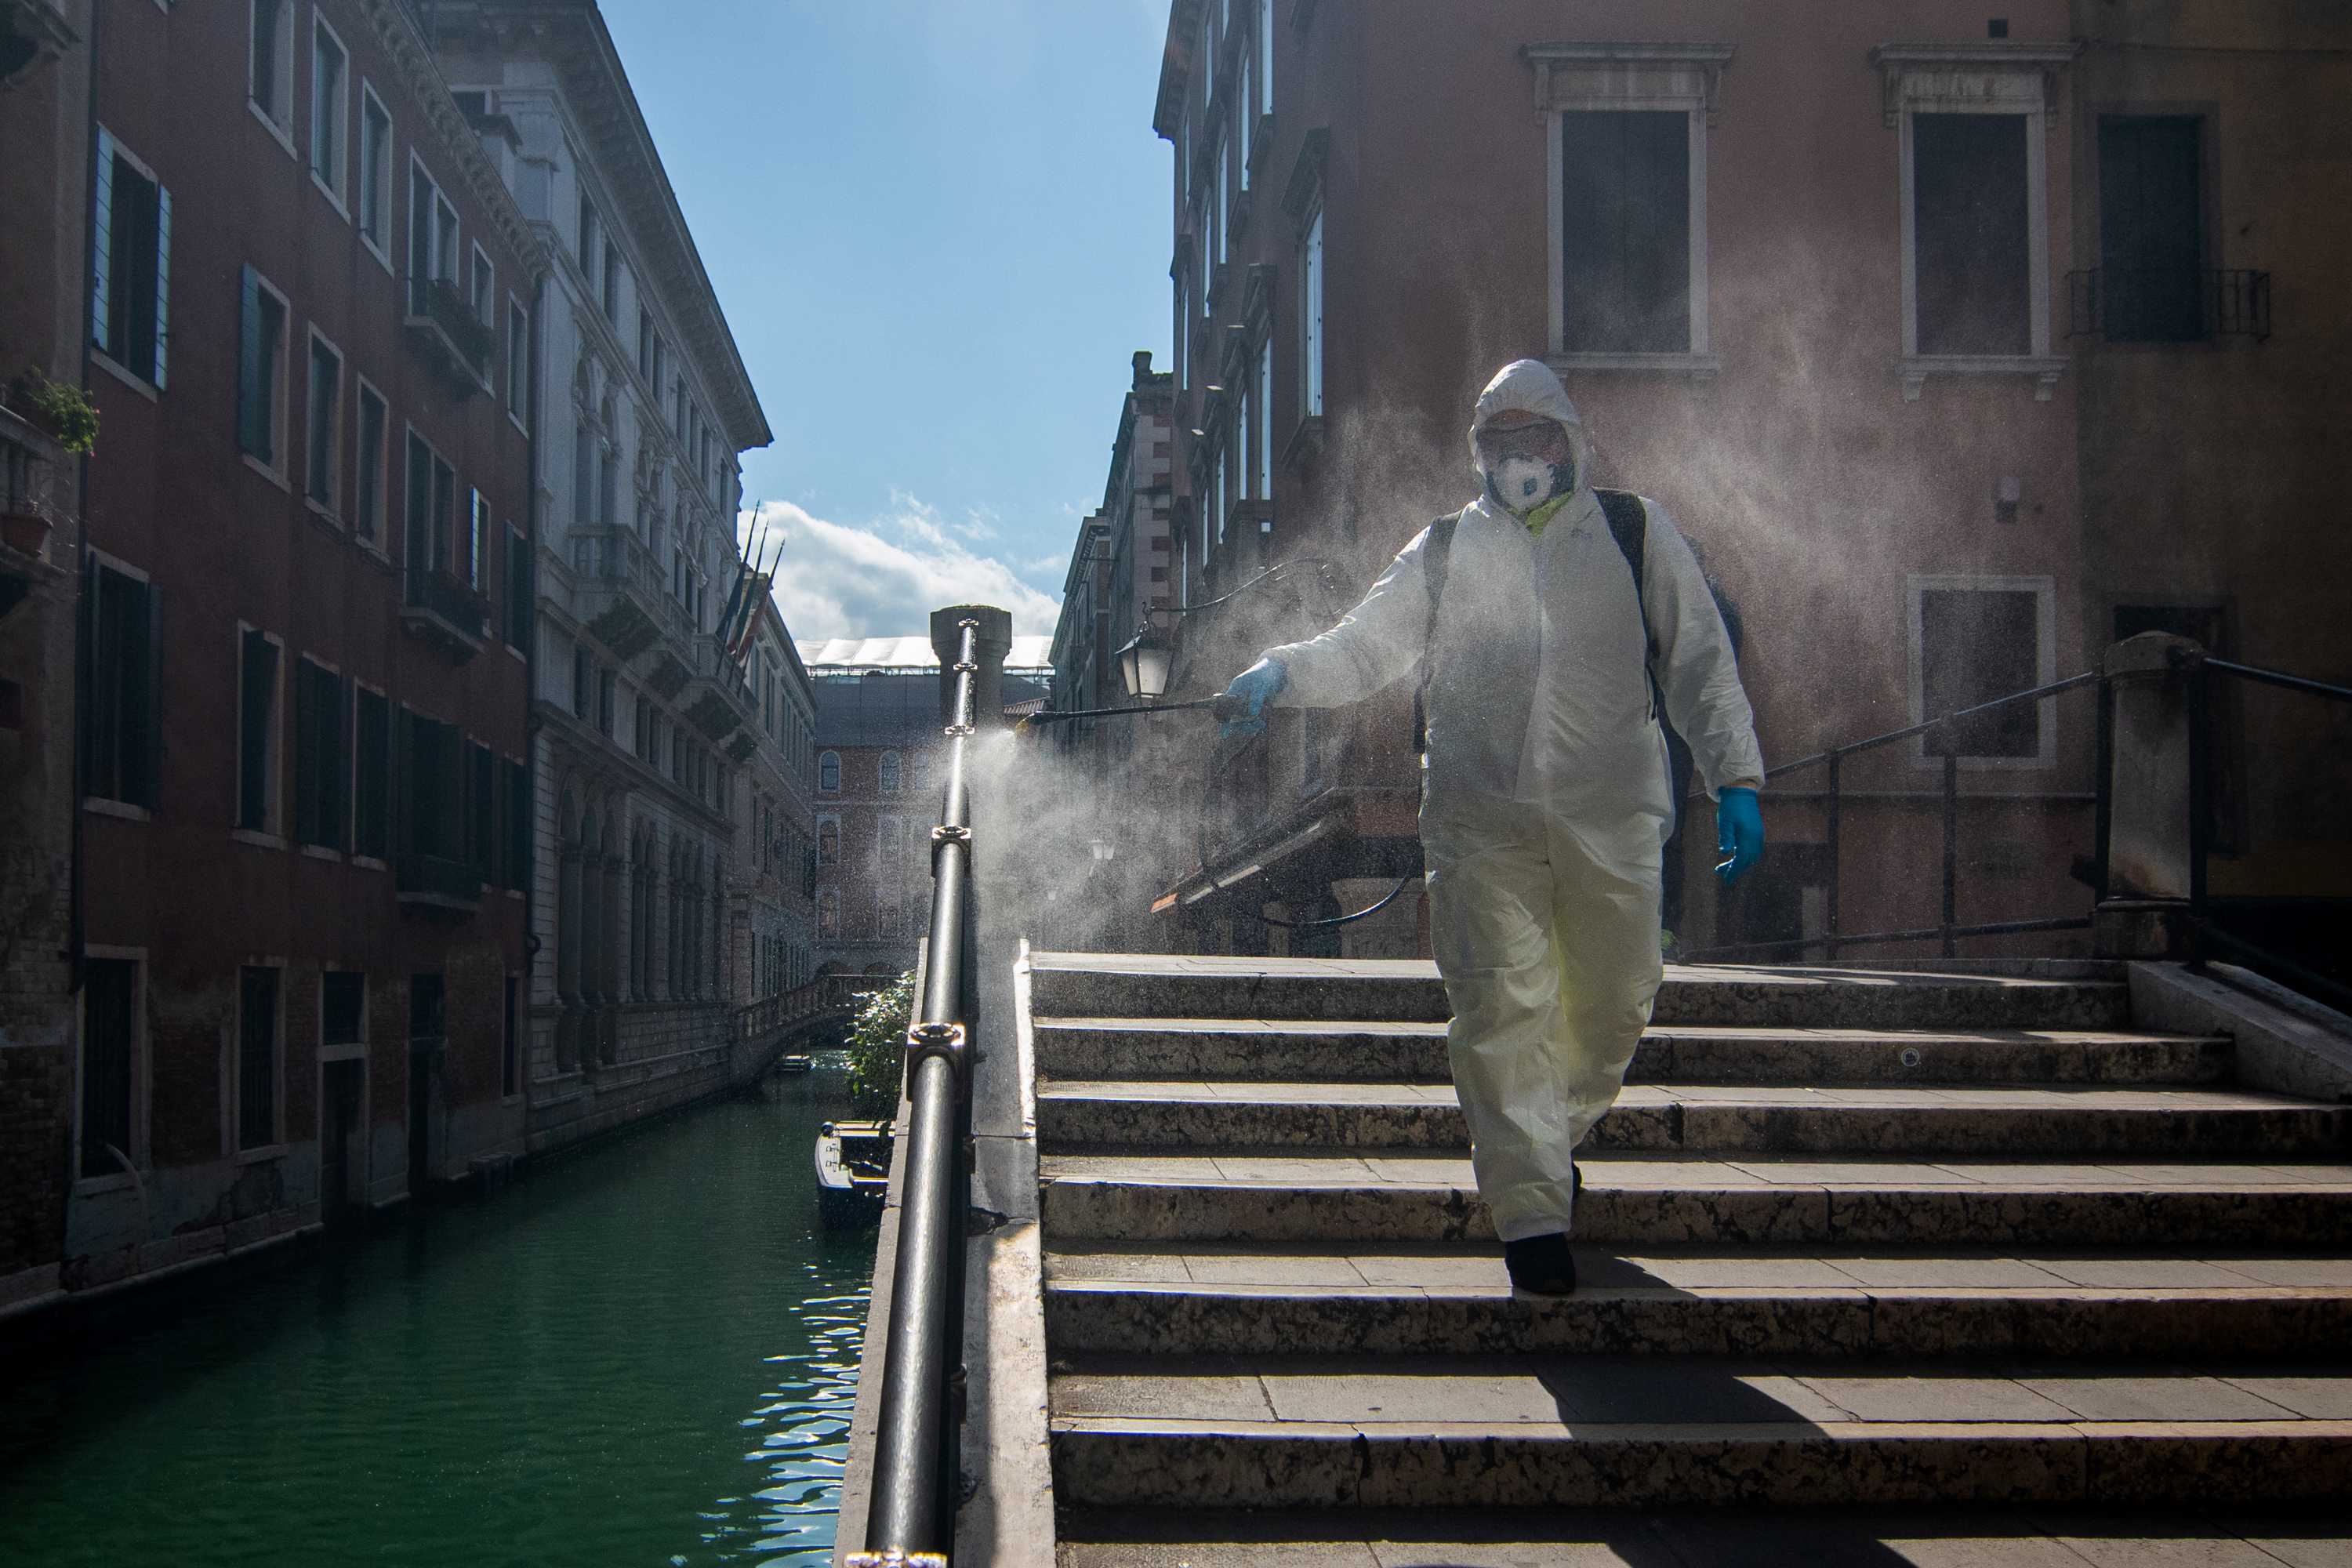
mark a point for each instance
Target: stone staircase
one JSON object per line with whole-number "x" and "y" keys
{"x": 1850, "y": 1238}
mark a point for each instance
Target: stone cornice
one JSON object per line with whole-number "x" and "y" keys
{"x": 570, "y": 36}
{"x": 412, "y": 56}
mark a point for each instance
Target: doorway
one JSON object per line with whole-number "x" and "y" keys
{"x": 343, "y": 1151}
{"x": 426, "y": 1032}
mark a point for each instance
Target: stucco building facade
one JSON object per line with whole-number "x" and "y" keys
{"x": 643, "y": 712}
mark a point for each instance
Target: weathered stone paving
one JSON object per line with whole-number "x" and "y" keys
{"x": 1852, "y": 1238}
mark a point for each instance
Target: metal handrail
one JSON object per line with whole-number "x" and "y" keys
{"x": 917, "y": 1435}
{"x": 1947, "y": 930}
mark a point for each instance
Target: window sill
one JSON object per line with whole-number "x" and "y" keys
{"x": 128, "y": 377}
{"x": 373, "y": 550}
{"x": 97, "y": 1186}
{"x": 383, "y": 257}
{"x": 515, "y": 654}
{"x": 516, "y": 420}
{"x": 322, "y": 852}
{"x": 274, "y": 476}
{"x": 2045, "y": 369}
{"x": 277, "y": 134}
{"x": 259, "y": 840}
{"x": 1700, "y": 368}
{"x": 370, "y": 863}
{"x": 254, "y": 1156}
{"x": 334, "y": 198}
{"x": 323, "y": 512}
{"x": 347, "y": 1051}
{"x": 1304, "y": 441}
{"x": 99, "y": 805}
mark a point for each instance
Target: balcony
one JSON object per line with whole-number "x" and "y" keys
{"x": 436, "y": 887}
{"x": 449, "y": 615}
{"x": 2169, "y": 305}
{"x": 620, "y": 595}
{"x": 717, "y": 693}
{"x": 442, "y": 323}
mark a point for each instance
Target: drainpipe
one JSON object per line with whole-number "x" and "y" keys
{"x": 531, "y": 719}
{"x": 77, "y": 911}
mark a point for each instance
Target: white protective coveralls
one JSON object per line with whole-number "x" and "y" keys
{"x": 1545, "y": 798}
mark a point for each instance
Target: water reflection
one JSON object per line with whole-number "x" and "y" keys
{"x": 643, "y": 1353}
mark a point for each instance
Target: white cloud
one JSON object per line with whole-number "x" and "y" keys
{"x": 885, "y": 578}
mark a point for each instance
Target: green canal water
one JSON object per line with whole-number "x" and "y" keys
{"x": 641, "y": 1353}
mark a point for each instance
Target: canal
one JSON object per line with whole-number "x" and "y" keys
{"x": 643, "y": 1353}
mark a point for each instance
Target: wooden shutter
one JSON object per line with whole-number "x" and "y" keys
{"x": 102, "y": 247}
{"x": 258, "y": 660}
{"x": 337, "y": 764}
{"x": 251, "y": 416}
{"x": 162, "y": 282}
{"x": 139, "y": 742}
{"x": 309, "y": 746}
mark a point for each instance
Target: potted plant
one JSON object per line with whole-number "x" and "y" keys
{"x": 64, "y": 411}
{"x": 23, "y": 523}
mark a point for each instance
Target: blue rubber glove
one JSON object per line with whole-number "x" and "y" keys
{"x": 1252, "y": 690}
{"x": 1738, "y": 831}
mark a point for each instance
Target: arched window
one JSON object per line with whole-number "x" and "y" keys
{"x": 828, "y": 841}
{"x": 828, "y": 771}
{"x": 889, "y": 845}
{"x": 889, "y": 772}
{"x": 828, "y": 912}
{"x": 922, "y": 770}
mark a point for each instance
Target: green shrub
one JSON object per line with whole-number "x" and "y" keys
{"x": 66, "y": 412}
{"x": 877, "y": 1046}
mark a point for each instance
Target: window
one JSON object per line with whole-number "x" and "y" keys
{"x": 482, "y": 288}
{"x": 511, "y": 1039}
{"x": 591, "y": 240}
{"x": 257, "y": 1057}
{"x": 270, "y": 80}
{"x": 1969, "y": 213}
{"x": 325, "y": 428}
{"x": 604, "y": 689}
{"x": 889, "y": 846}
{"x": 124, "y": 617}
{"x": 482, "y": 810}
{"x": 889, "y": 772}
{"x": 518, "y": 360}
{"x": 1266, "y": 57}
{"x": 922, "y": 770}
{"x": 644, "y": 343}
{"x": 583, "y": 682}
{"x": 828, "y": 841}
{"x": 517, "y": 787}
{"x": 110, "y": 1065}
{"x": 1976, "y": 639}
{"x": 1262, "y": 444}
{"x": 517, "y": 588}
{"x": 368, "y": 503}
{"x": 477, "y": 536}
{"x": 330, "y": 107}
{"x": 612, "y": 282}
{"x": 828, "y": 771}
{"x": 371, "y": 775}
{"x": 828, "y": 912}
{"x": 256, "y": 750}
{"x": 130, "y": 264}
{"x": 1972, "y": 125}
{"x": 432, "y": 507}
{"x": 342, "y": 1007}
{"x": 432, "y": 237}
{"x": 1625, "y": 239}
{"x": 261, "y": 371}
{"x": 323, "y": 756}
{"x": 1310, "y": 319}
{"x": 2151, "y": 227}
{"x": 376, "y": 173}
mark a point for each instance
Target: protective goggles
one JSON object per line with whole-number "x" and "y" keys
{"x": 1543, "y": 439}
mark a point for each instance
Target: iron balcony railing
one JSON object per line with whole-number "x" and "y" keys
{"x": 444, "y": 319}
{"x": 918, "y": 1436}
{"x": 2158, "y": 305}
{"x": 463, "y": 608}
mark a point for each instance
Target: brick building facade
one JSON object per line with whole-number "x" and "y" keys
{"x": 1806, "y": 282}
{"x": 304, "y": 849}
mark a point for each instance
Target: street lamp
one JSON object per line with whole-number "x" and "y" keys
{"x": 1143, "y": 665}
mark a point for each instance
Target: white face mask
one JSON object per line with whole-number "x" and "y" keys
{"x": 1523, "y": 484}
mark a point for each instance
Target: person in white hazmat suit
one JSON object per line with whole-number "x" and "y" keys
{"x": 1545, "y": 797}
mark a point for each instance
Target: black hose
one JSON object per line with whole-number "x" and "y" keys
{"x": 1370, "y": 909}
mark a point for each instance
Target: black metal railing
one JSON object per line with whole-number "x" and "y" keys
{"x": 464, "y": 608}
{"x": 2209, "y": 936}
{"x": 917, "y": 1435}
{"x": 436, "y": 302}
{"x": 2169, "y": 304}
{"x": 1947, "y": 930}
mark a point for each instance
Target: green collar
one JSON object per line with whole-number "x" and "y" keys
{"x": 1536, "y": 520}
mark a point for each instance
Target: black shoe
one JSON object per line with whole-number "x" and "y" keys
{"x": 1542, "y": 1264}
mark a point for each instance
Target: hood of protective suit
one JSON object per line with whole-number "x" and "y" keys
{"x": 1529, "y": 386}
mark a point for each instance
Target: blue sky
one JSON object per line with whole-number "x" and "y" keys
{"x": 938, "y": 228}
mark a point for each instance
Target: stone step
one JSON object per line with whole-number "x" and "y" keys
{"x": 2076, "y": 1122}
{"x": 1584, "y": 1431}
{"x": 2175, "y": 1535}
{"x": 1160, "y": 1300}
{"x": 1299, "y": 1195}
{"x": 1133, "y": 985}
{"x": 1414, "y": 1052}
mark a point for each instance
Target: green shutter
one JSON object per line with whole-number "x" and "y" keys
{"x": 251, "y": 416}
{"x": 258, "y": 660}
{"x": 309, "y": 742}
{"x": 338, "y": 770}
{"x": 163, "y": 281}
{"x": 101, "y": 245}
